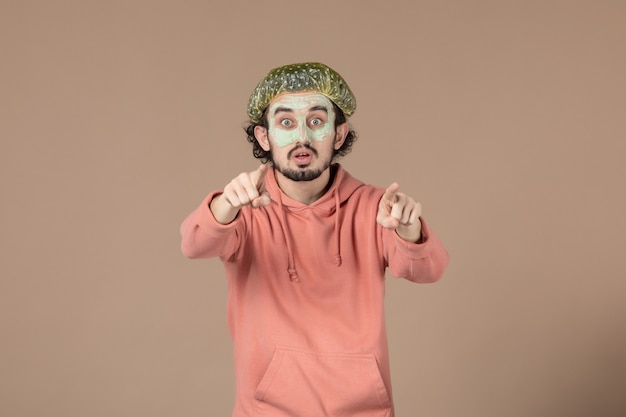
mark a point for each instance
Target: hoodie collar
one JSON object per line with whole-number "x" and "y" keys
{"x": 343, "y": 185}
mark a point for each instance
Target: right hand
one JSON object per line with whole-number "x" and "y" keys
{"x": 248, "y": 188}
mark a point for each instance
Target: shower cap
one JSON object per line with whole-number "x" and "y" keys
{"x": 295, "y": 78}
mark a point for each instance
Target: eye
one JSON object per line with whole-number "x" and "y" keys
{"x": 286, "y": 123}
{"x": 316, "y": 122}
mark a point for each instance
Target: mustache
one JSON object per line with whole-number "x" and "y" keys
{"x": 307, "y": 147}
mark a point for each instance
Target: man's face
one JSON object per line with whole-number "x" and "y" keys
{"x": 301, "y": 135}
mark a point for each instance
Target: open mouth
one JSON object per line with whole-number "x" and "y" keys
{"x": 302, "y": 156}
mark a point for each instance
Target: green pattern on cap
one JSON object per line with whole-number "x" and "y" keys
{"x": 295, "y": 78}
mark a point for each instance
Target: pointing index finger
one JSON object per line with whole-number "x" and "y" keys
{"x": 259, "y": 175}
{"x": 390, "y": 193}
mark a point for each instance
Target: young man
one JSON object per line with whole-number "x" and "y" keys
{"x": 305, "y": 247}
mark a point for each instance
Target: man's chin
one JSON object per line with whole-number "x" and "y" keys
{"x": 301, "y": 174}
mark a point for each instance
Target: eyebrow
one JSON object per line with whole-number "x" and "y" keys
{"x": 316, "y": 108}
{"x": 282, "y": 109}
{"x": 288, "y": 110}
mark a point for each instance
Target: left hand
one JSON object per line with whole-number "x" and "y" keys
{"x": 397, "y": 211}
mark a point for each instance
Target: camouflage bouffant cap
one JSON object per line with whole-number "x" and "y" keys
{"x": 295, "y": 78}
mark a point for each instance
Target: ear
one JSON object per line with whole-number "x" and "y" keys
{"x": 342, "y": 132}
{"x": 260, "y": 133}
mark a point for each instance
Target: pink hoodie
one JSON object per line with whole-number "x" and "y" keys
{"x": 306, "y": 298}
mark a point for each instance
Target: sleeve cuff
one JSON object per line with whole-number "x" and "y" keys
{"x": 415, "y": 250}
{"x": 206, "y": 221}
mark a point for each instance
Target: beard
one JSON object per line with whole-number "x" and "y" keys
{"x": 302, "y": 173}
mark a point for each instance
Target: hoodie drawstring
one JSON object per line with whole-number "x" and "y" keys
{"x": 337, "y": 227}
{"x": 291, "y": 266}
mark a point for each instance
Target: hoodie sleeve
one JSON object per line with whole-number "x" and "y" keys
{"x": 203, "y": 237}
{"x": 422, "y": 262}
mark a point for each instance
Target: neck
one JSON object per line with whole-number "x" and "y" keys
{"x": 305, "y": 192}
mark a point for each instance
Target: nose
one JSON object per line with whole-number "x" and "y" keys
{"x": 304, "y": 135}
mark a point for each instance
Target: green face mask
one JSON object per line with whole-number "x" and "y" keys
{"x": 301, "y": 117}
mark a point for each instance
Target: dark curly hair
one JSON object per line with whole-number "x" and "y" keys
{"x": 265, "y": 156}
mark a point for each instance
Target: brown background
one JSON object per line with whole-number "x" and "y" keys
{"x": 506, "y": 119}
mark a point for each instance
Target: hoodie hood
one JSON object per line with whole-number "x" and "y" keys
{"x": 328, "y": 205}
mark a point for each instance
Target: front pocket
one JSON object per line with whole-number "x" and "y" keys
{"x": 299, "y": 383}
